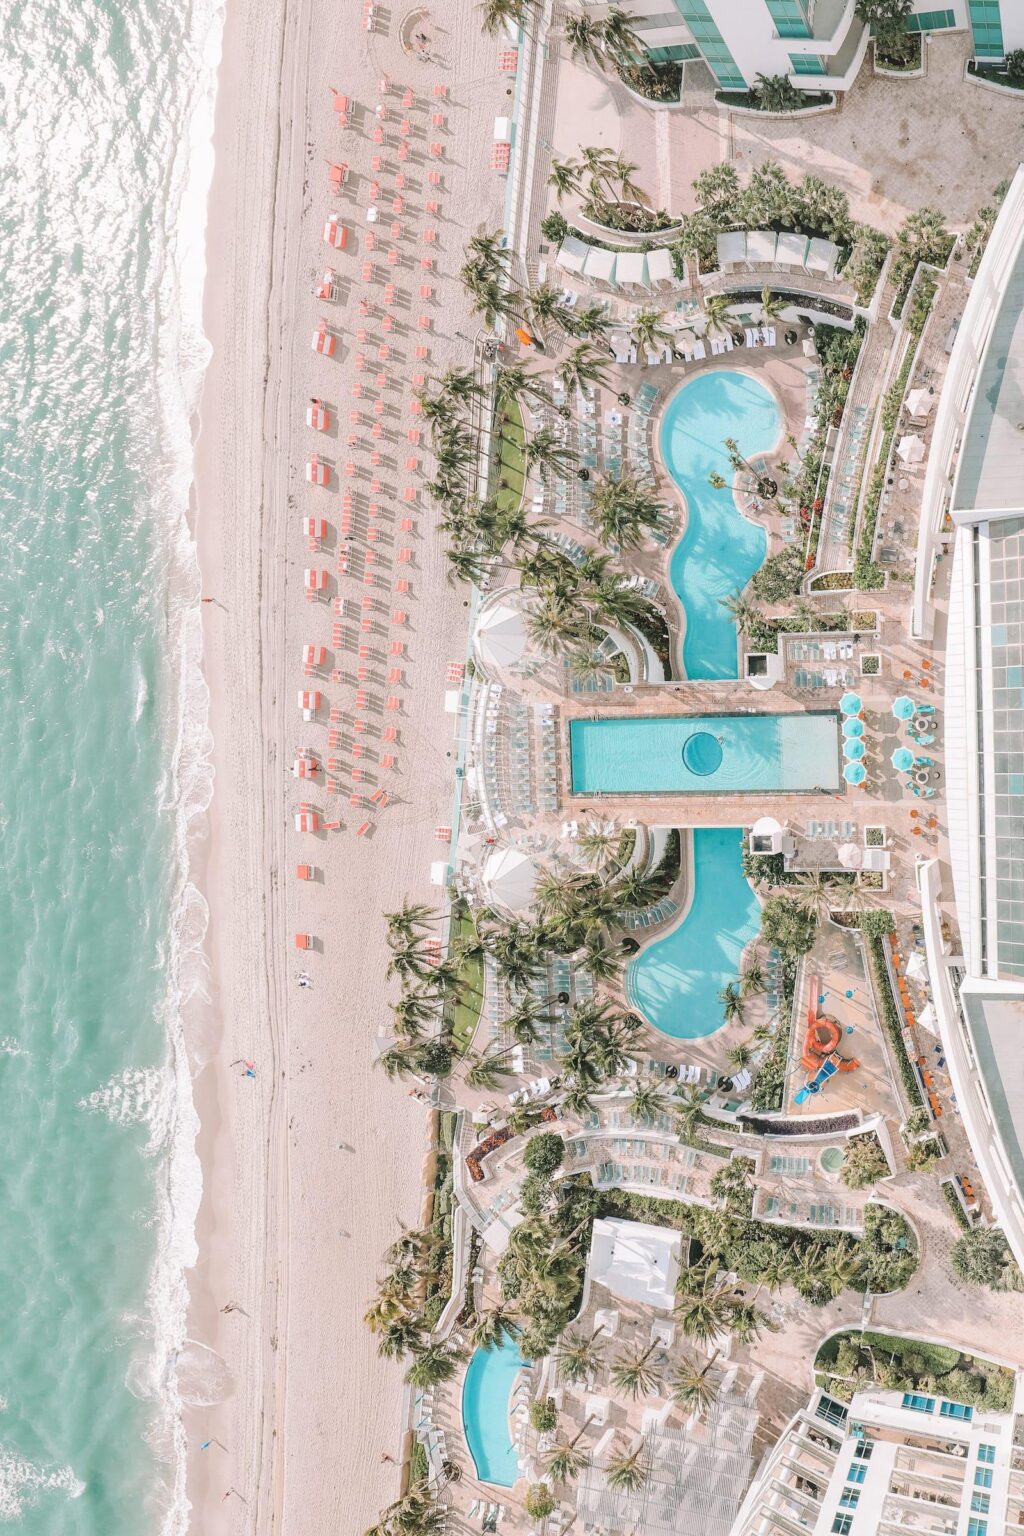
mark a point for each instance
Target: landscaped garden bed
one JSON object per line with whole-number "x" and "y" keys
{"x": 849, "y": 1361}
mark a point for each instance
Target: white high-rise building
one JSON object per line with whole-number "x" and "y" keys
{"x": 890, "y": 1463}
{"x": 818, "y": 44}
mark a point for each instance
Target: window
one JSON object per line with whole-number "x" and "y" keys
{"x": 931, "y": 21}
{"x": 987, "y": 1453}
{"x": 980, "y": 1503}
{"x": 831, "y": 1411}
{"x": 790, "y": 17}
{"x": 983, "y": 1477}
{"x": 711, "y": 44}
{"x": 849, "y": 1498}
{"x": 863, "y": 1450}
{"x": 977, "y": 1528}
{"x": 856, "y": 1474}
{"x": 807, "y": 64}
{"x": 841, "y": 1524}
{"x": 919, "y": 1403}
{"x": 987, "y": 28}
{"x": 955, "y": 1411}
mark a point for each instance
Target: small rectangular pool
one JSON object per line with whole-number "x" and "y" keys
{"x": 705, "y": 754}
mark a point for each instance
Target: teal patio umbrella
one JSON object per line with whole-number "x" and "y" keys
{"x": 903, "y": 759}
{"x": 853, "y": 750}
{"x": 855, "y": 773}
{"x": 852, "y": 726}
{"x": 850, "y": 704}
{"x": 903, "y": 707}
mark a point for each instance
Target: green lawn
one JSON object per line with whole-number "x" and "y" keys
{"x": 511, "y": 468}
{"x": 466, "y": 1014}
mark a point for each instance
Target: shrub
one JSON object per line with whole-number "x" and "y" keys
{"x": 865, "y": 1162}
{"x": 1014, "y": 66}
{"x": 544, "y": 1153}
{"x": 775, "y": 93}
{"x": 983, "y": 1257}
{"x": 539, "y": 1501}
{"x": 543, "y": 1416}
{"x": 788, "y": 926}
{"x": 555, "y": 226}
{"x": 780, "y": 576}
{"x": 661, "y": 82}
{"x": 891, "y": 1020}
{"x": 956, "y": 1205}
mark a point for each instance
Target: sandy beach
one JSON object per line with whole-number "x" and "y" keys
{"x": 309, "y": 1166}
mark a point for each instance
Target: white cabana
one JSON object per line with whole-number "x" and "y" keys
{"x": 919, "y": 402}
{"x": 635, "y": 1261}
{"x": 761, "y": 245}
{"x": 732, "y": 248}
{"x": 600, "y": 265}
{"x": 572, "y": 253}
{"x": 631, "y": 269}
{"x": 910, "y": 448}
{"x": 510, "y": 878}
{"x": 822, "y": 256}
{"x": 791, "y": 250}
{"x": 659, "y": 266}
{"x": 501, "y": 636}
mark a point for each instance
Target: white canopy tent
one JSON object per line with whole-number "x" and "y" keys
{"x": 631, "y": 269}
{"x": 659, "y": 266}
{"x": 600, "y": 265}
{"x": 791, "y": 250}
{"x": 822, "y": 256}
{"x": 501, "y": 635}
{"x": 635, "y": 1261}
{"x": 510, "y": 877}
{"x": 732, "y": 248}
{"x": 761, "y": 245}
{"x": 572, "y": 253}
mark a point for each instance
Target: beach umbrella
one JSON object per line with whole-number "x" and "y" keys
{"x": 903, "y": 759}
{"x": 852, "y": 726}
{"x": 910, "y": 448}
{"x": 917, "y": 966}
{"x": 919, "y": 402}
{"x": 850, "y": 704}
{"x": 849, "y": 856}
{"x": 928, "y": 1018}
{"x": 903, "y": 707}
{"x": 853, "y": 749}
{"x": 855, "y": 773}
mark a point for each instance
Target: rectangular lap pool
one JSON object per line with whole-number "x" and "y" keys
{"x": 705, "y": 754}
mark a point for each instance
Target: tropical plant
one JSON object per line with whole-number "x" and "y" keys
{"x": 406, "y": 925}
{"x": 775, "y": 93}
{"x": 740, "y": 609}
{"x": 489, "y": 1068}
{"x": 501, "y": 16}
{"x": 581, "y": 367}
{"x": 692, "y": 1386}
{"x": 787, "y": 926}
{"x": 689, "y": 1112}
{"x": 539, "y": 1501}
{"x": 433, "y": 1363}
{"x": 983, "y": 1257}
{"x": 525, "y": 1018}
{"x": 706, "y": 1305}
{"x": 627, "y": 1473}
{"x": 514, "y": 381}
{"x": 548, "y": 453}
{"x": 620, "y": 41}
{"x": 865, "y": 1162}
{"x": 753, "y": 978}
{"x": 716, "y": 313}
{"x": 489, "y": 1329}
{"x": 731, "y": 999}
{"x": 584, "y": 37}
{"x": 544, "y": 1153}
{"x": 566, "y": 1459}
{"x": 578, "y": 1356}
{"x": 649, "y": 331}
{"x": 771, "y": 306}
{"x": 648, "y": 1100}
{"x": 624, "y": 509}
{"x": 415, "y": 1514}
{"x": 633, "y": 1374}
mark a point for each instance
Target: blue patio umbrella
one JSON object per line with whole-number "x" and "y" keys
{"x": 850, "y": 704}
{"x": 855, "y": 773}
{"x": 853, "y": 750}
{"x": 852, "y": 726}
{"x": 903, "y": 707}
{"x": 903, "y": 759}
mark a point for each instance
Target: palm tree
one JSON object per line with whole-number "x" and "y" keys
{"x": 487, "y": 1069}
{"x": 843, "y": 1264}
{"x": 689, "y": 1112}
{"x": 405, "y": 925}
{"x": 747, "y": 1322}
{"x": 648, "y": 1101}
{"x": 590, "y": 321}
{"x": 414, "y": 1008}
{"x": 753, "y": 979}
{"x": 398, "y": 1060}
{"x": 546, "y": 451}
{"x": 565, "y": 178}
{"x": 716, "y": 312}
{"x": 692, "y": 1387}
{"x": 398, "y": 1337}
{"x": 414, "y": 1514}
{"x": 740, "y": 609}
{"x": 544, "y": 306}
{"x": 812, "y": 894}
{"x": 514, "y": 381}
{"x": 731, "y": 1000}
{"x": 590, "y": 666}
{"x": 467, "y": 565}
{"x": 577, "y": 1102}
{"x": 599, "y": 163}
{"x": 433, "y": 1364}
{"x": 584, "y": 37}
{"x": 624, "y": 510}
{"x": 603, "y": 962}
{"x": 566, "y": 1459}
{"x": 551, "y": 629}
{"x": 524, "y": 1021}
{"x": 738, "y": 1056}
{"x": 771, "y": 306}
{"x": 620, "y": 41}
{"x": 632, "y": 1374}
{"x": 489, "y": 1329}
{"x": 706, "y": 1310}
{"x": 582, "y": 366}
{"x": 774, "y": 1272}
{"x": 503, "y": 15}
{"x": 577, "y": 1356}
{"x": 516, "y": 956}
{"x": 628, "y": 1473}
{"x": 648, "y": 330}
{"x": 629, "y": 190}
{"x": 459, "y": 385}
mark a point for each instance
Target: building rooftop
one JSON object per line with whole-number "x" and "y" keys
{"x": 991, "y": 472}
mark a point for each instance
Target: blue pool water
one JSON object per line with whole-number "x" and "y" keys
{"x": 705, "y": 754}
{"x": 675, "y": 983}
{"x": 485, "y": 1394}
{"x": 721, "y": 549}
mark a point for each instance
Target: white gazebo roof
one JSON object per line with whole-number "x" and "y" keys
{"x": 761, "y": 245}
{"x": 822, "y": 256}
{"x": 510, "y": 877}
{"x": 791, "y": 250}
{"x": 572, "y": 253}
{"x": 600, "y": 264}
{"x": 659, "y": 265}
{"x": 501, "y": 635}
{"x": 635, "y": 1261}
{"x": 631, "y": 267}
{"x": 732, "y": 248}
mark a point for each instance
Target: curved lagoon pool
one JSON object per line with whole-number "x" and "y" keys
{"x": 485, "y": 1411}
{"x": 675, "y": 983}
{"x": 721, "y": 549}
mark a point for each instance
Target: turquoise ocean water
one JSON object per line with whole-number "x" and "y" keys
{"x": 104, "y": 113}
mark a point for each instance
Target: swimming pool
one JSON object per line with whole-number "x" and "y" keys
{"x": 485, "y": 1416}
{"x": 675, "y": 983}
{"x": 721, "y": 549}
{"x": 678, "y": 754}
